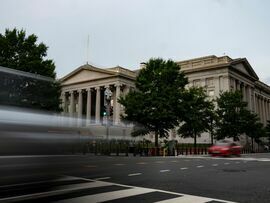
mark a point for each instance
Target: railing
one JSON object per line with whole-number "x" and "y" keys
{"x": 127, "y": 148}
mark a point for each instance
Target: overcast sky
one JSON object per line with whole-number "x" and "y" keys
{"x": 127, "y": 32}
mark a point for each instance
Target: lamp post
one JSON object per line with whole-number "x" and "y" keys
{"x": 108, "y": 95}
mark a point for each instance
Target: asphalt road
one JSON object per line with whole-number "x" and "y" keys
{"x": 135, "y": 179}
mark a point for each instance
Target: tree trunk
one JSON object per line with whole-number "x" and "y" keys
{"x": 252, "y": 144}
{"x": 156, "y": 144}
{"x": 156, "y": 139}
{"x": 212, "y": 138}
{"x": 195, "y": 144}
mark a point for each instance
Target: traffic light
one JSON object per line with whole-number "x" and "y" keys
{"x": 104, "y": 113}
{"x": 111, "y": 110}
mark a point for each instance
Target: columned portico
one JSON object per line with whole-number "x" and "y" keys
{"x": 86, "y": 87}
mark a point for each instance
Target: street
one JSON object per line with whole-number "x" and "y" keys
{"x": 88, "y": 178}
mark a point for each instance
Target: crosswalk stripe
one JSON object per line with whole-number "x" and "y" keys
{"x": 108, "y": 196}
{"x": 165, "y": 170}
{"x": 100, "y": 191}
{"x": 134, "y": 174}
{"x": 59, "y": 190}
{"x": 103, "y": 178}
{"x": 187, "y": 199}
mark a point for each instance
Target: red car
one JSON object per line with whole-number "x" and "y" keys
{"x": 225, "y": 149}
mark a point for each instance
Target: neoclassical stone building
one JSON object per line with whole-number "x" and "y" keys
{"x": 83, "y": 89}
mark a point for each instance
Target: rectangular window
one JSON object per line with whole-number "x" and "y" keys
{"x": 196, "y": 83}
{"x": 209, "y": 81}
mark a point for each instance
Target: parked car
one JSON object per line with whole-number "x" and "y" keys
{"x": 225, "y": 149}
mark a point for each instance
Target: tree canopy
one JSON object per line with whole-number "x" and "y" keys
{"x": 24, "y": 53}
{"x": 234, "y": 117}
{"x": 157, "y": 102}
{"x": 198, "y": 114}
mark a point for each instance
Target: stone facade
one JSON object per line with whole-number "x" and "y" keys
{"x": 83, "y": 92}
{"x": 83, "y": 89}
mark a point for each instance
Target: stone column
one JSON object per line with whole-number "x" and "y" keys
{"x": 216, "y": 84}
{"x": 232, "y": 83}
{"x": 261, "y": 108}
{"x": 80, "y": 104}
{"x": 88, "y": 107}
{"x": 263, "y": 111}
{"x": 244, "y": 92}
{"x": 249, "y": 98}
{"x": 126, "y": 90}
{"x": 71, "y": 112}
{"x": 238, "y": 85}
{"x": 64, "y": 102}
{"x": 117, "y": 106}
{"x": 114, "y": 103}
{"x": 97, "y": 104}
{"x": 203, "y": 82}
{"x": 266, "y": 110}
{"x": 225, "y": 84}
{"x": 254, "y": 101}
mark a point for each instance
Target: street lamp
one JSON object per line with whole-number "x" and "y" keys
{"x": 107, "y": 96}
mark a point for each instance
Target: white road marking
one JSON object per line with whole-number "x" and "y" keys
{"x": 39, "y": 182}
{"x": 214, "y": 164}
{"x": 119, "y": 164}
{"x": 184, "y": 168}
{"x": 165, "y": 170}
{"x": 106, "y": 196}
{"x": 237, "y": 162}
{"x": 226, "y": 163}
{"x": 142, "y": 163}
{"x": 134, "y": 174}
{"x": 200, "y": 166}
{"x": 103, "y": 178}
{"x": 187, "y": 199}
{"x": 60, "y": 190}
{"x": 159, "y": 162}
{"x": 136, "y": 191}
{"x": 175, "y": 161}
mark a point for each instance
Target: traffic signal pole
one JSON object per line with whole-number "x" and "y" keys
{"x": 108, "y": 95}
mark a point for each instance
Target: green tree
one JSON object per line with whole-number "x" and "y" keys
{"x": 21, "y": 52}
{"x": 157, "y": 102}
{"x": 254, "y": 128}
{"x": 198, "y": 112}
{"x": 267, "y": 131}
{"x": 212, "y": 119}
{"x": 232, "y": 114}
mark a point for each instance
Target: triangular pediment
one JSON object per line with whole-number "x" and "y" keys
{"x": 86, "y": 73}
{"x": 243, "y": 66}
